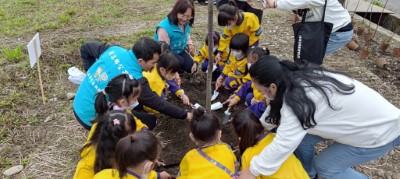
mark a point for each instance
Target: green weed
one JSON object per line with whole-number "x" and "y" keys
{"x": 13, "y": 55}
{"x": 64, "y": 18}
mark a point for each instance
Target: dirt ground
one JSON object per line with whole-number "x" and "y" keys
{"x": 51, "y": 149}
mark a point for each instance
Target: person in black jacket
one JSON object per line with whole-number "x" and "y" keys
{"x": 103, "y": 62}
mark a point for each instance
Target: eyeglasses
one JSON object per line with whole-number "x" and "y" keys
{"x": 185, "y": 17}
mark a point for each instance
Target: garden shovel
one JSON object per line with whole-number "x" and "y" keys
{"x": 215, "y": 95}
{"x": 227, "y": 116}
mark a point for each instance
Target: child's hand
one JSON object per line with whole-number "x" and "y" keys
{"x": 232, "y": 102}
{"x": 217, "y": 57}
{"x": 189, "y": 116}
{"x": 254, "y": 101}
{"x": 194, "y": 67}
{"x": 218, "y": 82}
{"x": 177, "y": 79}
{"x": 166, "y": 86}
{"x": 185, "y": 99}
{"x": 165, "y": 175}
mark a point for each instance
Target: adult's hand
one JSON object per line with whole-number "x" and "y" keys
{"x": 194, "y": 67}
{"x": 185, "y": 99}
{"x": 246, "y": 174}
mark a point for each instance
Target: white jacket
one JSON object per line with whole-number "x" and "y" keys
{"x": 363, "y": 119}
{"x": 334, "y": 13}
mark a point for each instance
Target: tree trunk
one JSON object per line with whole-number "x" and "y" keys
{"x": 210, "y": 55}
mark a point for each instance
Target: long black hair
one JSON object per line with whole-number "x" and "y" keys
{"x": 291, "y": 80}
{"x": 120, "y": 86}
{"x": 247, "y": 127}
{"x": 115, "y": 126}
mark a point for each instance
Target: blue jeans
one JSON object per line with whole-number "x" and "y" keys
{"x": 335, "y": 162}
{"x": 337, "y": 40}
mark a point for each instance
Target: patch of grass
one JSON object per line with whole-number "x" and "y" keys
{"x": 5, "y": 162}
{"x": 378, "y": 3}
{"x": 50, "y": 25}
{"x": 273, "y": 15}
{"x": 143, "y": 33}
{"x": 71, "y": 11}
{"x": 1, "y": 12}
{"x": 32, "y": 120}
{"x": 13, "y": 54}
{"x": 64, "y": 67}
{"x": 64, "y": 18}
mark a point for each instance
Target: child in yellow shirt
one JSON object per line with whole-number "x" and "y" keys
{"x": 212, "y": 158}
{"x": 119, "y": 96}
{"x": 236, "y": 67}
{"x": 234, "y": 21}
{"x": 247, "y": 91}
{"x": 253, "y": 139}
{"x": 97, "y": 153}
{"x": 163, "y": 75}
{"x": 202, "y": 57}
{"x": 135, "y": 157}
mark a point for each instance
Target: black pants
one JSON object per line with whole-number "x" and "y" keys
{"x": 90, "y": 51}
{"x": 186, "y": 61}
{"x": 247, "y": 8}
{"x": 244, "y": 7}
{"x": 149, "y": 119}
{"x": 81, "y": 122}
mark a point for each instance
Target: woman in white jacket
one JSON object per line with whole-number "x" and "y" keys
{"x": 342, "y": 31}
{"x": 310, "y": 104}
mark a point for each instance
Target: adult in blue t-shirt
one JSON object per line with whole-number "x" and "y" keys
{"x": 115, "y": 60}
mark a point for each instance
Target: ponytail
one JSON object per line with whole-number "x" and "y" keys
{"x": 204, "y": 126}
{"x": 101, "y": 105}
{"x": 248, "y": 127}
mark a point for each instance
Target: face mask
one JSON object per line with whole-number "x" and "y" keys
{"x": 169, "y": 77}
{"x": 248, "y": 65}
{"x": 215, "y": 48}
{"x": 229, "y": 27}
{"x": 146, "y": 170}
{"x": 267, "y": 97}
{"x": 133, "y": 106}
{"x": 237, "y": 54}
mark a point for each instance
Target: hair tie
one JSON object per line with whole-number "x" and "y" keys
{"x": 116, "y": 122}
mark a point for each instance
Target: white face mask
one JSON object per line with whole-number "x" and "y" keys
{"x": 146, "y": 170}
{"x": 267, "y": 97}
{"x": 215, "y": 48}
{"x": 237, "y": 54}
{"x": 248, "y": 65}
{"x": 133, "y": 106}
{"x": 229, "y": 27}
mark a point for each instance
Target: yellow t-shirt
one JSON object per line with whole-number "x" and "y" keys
{"x": 114, "y": 174}
{"x": 157, "y": 84}
{"x": 85, "y": 166}
{"x": 235, "y": 68}
{"x": 203, "y": 54}
{"x": 194, "y": 165}
{"x": 291, "y": 168}
{"x": 250, "y": 26}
